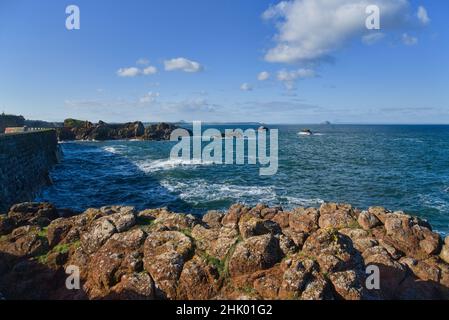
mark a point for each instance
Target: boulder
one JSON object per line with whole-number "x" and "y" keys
{"x": 287, "y": 245}
{"x": 174, "y": 222}
{"x": 444, "y": 254}
{"x": 333, "y": 251}
{"x": 392, "y": 273}
{"x": 115, "y": 220}
{"x": 24, "y": 241}
{"x": 58, "y": 230}
{"x": 336, "y": 216}
{"x": 301, "y": 280}
{"x": 304, "y": 220}
{"x": 368, "y": 220}
{"x": 282, "y": 219}
{"x": 348, "y": 284}
{"x": 99, "y": 232}
{"x": 299, "y": 238}
{"x": 379, "y": 212}
{"x": 134, "y": 286}
{"x": 250, "y": 226}
{"x": 317, "y": 289}
{"x": 228, "y": 236}
{"x": 411, "y": 236}
{"x": 204, "y": 237}
{"x": 199, "y": 280}
{"x": 213, "y": 219}
{"x": 267, "y": 283}
{"x": 234, "y": 213}
{"x": 253, "y": 254}
{"x": 30, "y": 213}
{"x": 119, "y": 256}
{"x": 164, "y": 256}
{"x": 424, "y": 270}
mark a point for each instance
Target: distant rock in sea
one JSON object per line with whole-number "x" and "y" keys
{"x": 84, "y": 130}
{"x": 245, "y": 253}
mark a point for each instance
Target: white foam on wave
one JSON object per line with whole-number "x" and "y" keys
{"x": 169, "y": 164}
{"x": 114, "y": 149}
{"x": 293, "y": 201}
{"x": 434, "y": 202}
{"x": 110, "y": 149}
{"x": 200, "y": 190}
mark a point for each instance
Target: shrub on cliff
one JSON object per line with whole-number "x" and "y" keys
{"x": 73, "y": 123}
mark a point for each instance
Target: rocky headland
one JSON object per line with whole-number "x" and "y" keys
{"x": 84, "y": 130}
{"x": 244, "y": 253}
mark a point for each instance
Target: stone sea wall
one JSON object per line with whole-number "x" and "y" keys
{"x": 243, "y": 253}
{"x": 25, "y": 161}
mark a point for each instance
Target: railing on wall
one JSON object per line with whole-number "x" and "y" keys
{"x": 23, "y": 129}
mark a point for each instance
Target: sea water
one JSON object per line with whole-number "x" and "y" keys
{"x": 398, "y": 167}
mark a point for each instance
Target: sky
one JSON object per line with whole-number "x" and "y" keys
{"x": 297, "y": 61}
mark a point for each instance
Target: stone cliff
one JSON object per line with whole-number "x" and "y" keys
{"x": 25, "y": 161}
{"x": 85, "y": 130}
{"x": 244, "y": 253}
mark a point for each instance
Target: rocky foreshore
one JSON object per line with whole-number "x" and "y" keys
{"x": 244, "y": 253}
{"x": 101, "y": 131}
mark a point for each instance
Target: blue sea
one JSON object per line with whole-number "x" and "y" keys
{"x": 398, "y": 167}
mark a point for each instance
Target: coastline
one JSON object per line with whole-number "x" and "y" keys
{"x": 243, "y": 253}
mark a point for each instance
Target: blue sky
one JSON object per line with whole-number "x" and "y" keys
{"x": 203, "y": 59}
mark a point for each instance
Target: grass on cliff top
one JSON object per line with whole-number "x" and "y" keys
{"x": 73, "y": 123}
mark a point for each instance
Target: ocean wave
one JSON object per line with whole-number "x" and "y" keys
{"x": 114, "y": 150}
{"x": 293, "y": 201}
{"x": 169, "y": 164}
{"x": 199, "y": 191}
{"x": 434, "y": 202}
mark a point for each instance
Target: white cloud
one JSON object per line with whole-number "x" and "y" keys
{"x": 313, "y": 29}
{"x": 182, "y": 64}
{"x": 409, "y": 40}
{"x": 143, "y": 62}
{"x": 423, "y": 16}
{"x": 128, "y": 72}
{"x": 289, "y": 77}
{"x": 264, "y": 75}
{"x": 149, "y": 70}
{"x": 246, "y": 87}
{"x": 149, "y": 97}
{"x": 134, "y": 72}
{"x": 372, "y": 38}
